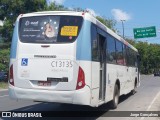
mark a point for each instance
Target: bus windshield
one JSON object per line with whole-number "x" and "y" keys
{"x": 49, "y": 29}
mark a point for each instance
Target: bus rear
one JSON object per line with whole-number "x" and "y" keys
{"x": 43, "y": 63}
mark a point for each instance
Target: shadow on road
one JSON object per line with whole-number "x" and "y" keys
{"x": 66, "y": 111}
{"x": 124, "y": 97}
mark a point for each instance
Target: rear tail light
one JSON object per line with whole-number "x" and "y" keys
{"x": 81, "y": 79}
{"x": 11, "y": 78}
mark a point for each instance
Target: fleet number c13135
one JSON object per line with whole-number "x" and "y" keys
{"x": 62, "y": 63}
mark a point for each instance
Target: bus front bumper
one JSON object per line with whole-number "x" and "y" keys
{"x": 81, "y": 96}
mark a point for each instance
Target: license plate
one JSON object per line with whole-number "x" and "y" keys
{"x": 44, "y": 83}
{"x": 64, "y": 79}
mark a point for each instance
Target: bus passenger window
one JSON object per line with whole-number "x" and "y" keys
{"x": 124, "y": 54}
{"x": 131, "y": 57}
{"x": 119, "y": 53}
{"x": 111, "y": 51}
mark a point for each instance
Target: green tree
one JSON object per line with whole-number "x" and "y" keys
{"x": 108, "y": 22}
{"x": 150, "y": 56}
{"x": 10, "y": 9}
{"x": 4, "y": 59}
{"x": 54, "y": 7}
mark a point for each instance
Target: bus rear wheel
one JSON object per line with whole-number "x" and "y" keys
{"x": 115, "y": 101}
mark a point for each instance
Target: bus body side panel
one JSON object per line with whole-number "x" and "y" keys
{"x": 86, "y": 96}
{"x": 83, "y": 55}
{"x": 95, "y": 83}
{"x": 110, "y": 80}
{"x": 13, "y": 52}
{"x": 121, "y": 73}
{"x": 134, "y": 76}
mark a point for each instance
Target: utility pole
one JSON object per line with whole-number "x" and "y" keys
{"x": 123, "y": 26}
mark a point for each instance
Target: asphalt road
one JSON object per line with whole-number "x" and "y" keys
{"x": 147, "y": 98}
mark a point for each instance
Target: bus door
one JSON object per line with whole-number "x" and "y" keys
{"x": 102, "y": 59}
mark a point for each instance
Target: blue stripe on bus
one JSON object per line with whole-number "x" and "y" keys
{"x": 84, "y": 42}
{"x": 14, "y": 42}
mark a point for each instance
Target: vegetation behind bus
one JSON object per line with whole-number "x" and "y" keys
{"x": 150, "y": 57}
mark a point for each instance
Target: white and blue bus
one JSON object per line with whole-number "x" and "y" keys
{"x": 70, "y": 57}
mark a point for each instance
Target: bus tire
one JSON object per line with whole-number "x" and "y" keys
{"x": 115, "y": 101}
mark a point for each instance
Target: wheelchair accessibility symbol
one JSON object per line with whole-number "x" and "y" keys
{"x": 24, "y": 62}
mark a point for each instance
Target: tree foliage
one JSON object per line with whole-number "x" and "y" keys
{"x": 150, "y": 56}
{"x": 54, "y": 7}
{"x": 10, "y": 9}
{"x": 4, "y": 59}
{"x": 108, "y": 22}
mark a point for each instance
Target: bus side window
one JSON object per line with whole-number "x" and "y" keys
{"x": 134, "y": 58}
{"x": 119, "y": 53}
{"x": 131, "y": 57}
{"x": 94, "y": 43}
{"x": 111, "y": 50}
{"x": 127, "y": 56}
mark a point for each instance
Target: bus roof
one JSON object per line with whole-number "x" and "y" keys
{"x": 53, "y": 13}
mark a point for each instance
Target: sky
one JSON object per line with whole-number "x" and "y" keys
{"x": 136, "y": 13}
